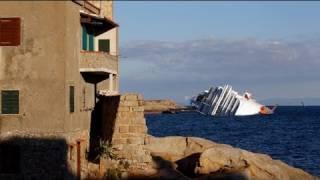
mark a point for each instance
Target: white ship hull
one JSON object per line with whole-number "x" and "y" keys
{"x": 223, "y": 101}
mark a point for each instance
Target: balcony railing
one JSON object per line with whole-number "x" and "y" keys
{"x": 98, "y": 62}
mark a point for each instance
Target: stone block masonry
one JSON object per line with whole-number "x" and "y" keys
{"x": 130, "y": 130}
{"x": 127, "y": 130}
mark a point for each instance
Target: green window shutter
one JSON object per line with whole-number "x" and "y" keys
{"x": 104, "y": 45}
{"x": 71, "y": 99}
{"x": 91, "y": 42}
{"x": 10, "y": 102}
{"x": 84, "y": 38}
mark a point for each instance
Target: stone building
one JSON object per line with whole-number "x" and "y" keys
{"x": 56, "y": 57}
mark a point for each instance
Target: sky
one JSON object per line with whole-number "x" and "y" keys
{"x": 177, "y": 49}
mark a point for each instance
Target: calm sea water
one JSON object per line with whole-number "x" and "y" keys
{"x": 292, "y": 134}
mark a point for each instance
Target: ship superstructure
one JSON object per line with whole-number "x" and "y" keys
{"x": 224, "y": 101}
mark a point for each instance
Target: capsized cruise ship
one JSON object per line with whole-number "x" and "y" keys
{"x": 224, "y": 101}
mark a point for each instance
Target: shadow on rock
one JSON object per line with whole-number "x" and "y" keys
{"x": 223, "y": 176}
{"x": 188, "y": 164}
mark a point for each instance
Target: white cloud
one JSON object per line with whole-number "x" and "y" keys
{"x": 246, "y": 63}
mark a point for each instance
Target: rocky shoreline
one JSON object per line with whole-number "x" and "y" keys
{"x": 165, "y": 106}
{"x": 134, "y": 154}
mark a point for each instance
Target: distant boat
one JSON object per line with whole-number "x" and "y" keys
{"x": 224, "y": 101}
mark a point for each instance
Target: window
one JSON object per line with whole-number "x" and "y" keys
{"x": 91, "y": 42}
{"x": 9, "y": 159}
{"x": 87, "y": 40}
{"x": 10, "y": 102}
{"x": 71, "y": 99}
{"x": 84, "y": 38}
{"x": 10, "y": 31}
{"x": 104, "y": 45}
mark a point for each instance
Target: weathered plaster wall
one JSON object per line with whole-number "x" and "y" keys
{"x": 84, "y": 91}
{"x": 112, "y": 35}
{"x": 44, "y": 66}
{"x": 37, "y": 66}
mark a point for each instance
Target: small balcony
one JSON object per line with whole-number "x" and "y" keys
{"x": 98, "y": 63}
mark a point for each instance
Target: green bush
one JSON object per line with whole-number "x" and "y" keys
{"x": 105, "y": 150}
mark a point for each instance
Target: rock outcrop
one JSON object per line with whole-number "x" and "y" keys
{"x": 203, "y": 159}
{"x": 250, "y": 165}
{"x": 159, "y": 106}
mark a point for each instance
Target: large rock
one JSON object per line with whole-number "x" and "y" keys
{"x": 169, "y": 148}
{"x": 251, "y": 165}
{"x": 204, "y": 159}
{"x": 177, "y": 153}
{"x": 174, "y": 148}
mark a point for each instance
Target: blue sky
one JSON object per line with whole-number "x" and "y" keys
{"x": 175, "y": 49}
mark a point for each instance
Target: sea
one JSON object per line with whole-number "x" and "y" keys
{"x": 291, "y": 134}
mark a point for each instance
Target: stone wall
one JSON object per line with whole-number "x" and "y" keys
{"x": 129, "y": 130}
